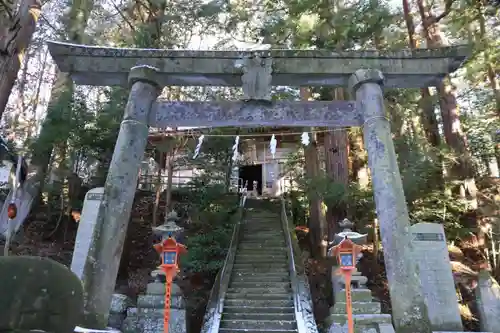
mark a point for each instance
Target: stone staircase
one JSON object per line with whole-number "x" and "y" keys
{"x": 259, "y": 298}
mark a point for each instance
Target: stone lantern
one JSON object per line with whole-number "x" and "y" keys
{"x": 359, "y": 239}
{"x": 144, "y": 318}
{"x": 169, "y": 228}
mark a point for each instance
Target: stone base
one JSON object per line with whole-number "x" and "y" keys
{"x": 118, "y": 311}
{"x": 367, "y": 316}
{"x": 151, "y": 321}
{"x": 148, "y": 316}
{"x": 372, "y": 328}
{"x": 116, "y": 320}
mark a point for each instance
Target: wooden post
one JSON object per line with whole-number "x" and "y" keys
{"x": 348, "y": 303}
{"x": 169, "y": 274}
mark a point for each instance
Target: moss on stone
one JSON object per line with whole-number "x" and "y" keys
{"x": 39, "y": 293}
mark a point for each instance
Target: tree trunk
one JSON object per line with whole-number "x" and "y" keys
{"x": 488, "y": 59}
{"x": 13, "y": 46}
{"x": 360, "y": 171}
{"x": 318, "y": 231}
{"x": 61, "y": 97}
{"x": 157, "y": 195}
{"x": 336, "y": 145}
{"x": 170, "y": 174}
{"x": 430, "y": 122}
{"x": 453, "y": 134}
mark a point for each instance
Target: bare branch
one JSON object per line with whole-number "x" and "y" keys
{"x": 131, "y": 26}
{"x": 447, "y": 9}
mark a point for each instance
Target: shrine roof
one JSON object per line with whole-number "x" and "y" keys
{"x": 106, "y": 66}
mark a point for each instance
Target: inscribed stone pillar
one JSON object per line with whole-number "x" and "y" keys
{"x": 408, "y": 307}
{"x": 431, "y": 253}
{"x": 119, "y": 191}
{"x": 86, "y": 235}
{"x": 488, "y": 302}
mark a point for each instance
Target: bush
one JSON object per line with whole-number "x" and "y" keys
{"x": 213, "y": 214}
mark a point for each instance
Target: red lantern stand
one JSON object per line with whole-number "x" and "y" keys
{"x": 347, "y": 252}
{"x": 169, "y": 251}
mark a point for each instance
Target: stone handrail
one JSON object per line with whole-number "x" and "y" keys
{"x": 299, "y": 281}
{"x": 213, "y": 312}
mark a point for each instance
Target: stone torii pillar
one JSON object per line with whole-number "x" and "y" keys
{"x": 102, "y": 264}
{"x": 409, "y": 311}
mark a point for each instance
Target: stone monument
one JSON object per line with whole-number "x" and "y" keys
{"x": 367, "y": 314}
{"x": 365, "y": 72}
{"x": 148, "y": 316}
{"x": 488, "y": 302}
{"x": 431, "y": 254}
{"x": 38, "y": 295}
{"x": 86, "y": 236}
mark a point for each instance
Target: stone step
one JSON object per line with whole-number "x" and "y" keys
{"x": 266, "y": 241}
{"x": 270, "y": 249}
{"x": 262, "y": 231}
{"x": 260, "y": 290}
{"x": 263, "y": 225}
{"x": 261, "y": 296}
{"x": 357, "y": 308}
{"x": 257, "y": 309}
{"x": 259, "y": 251}
{"x": 260, "y": 284}
{"x": 280, "y": 262}
{"x": 261, "y": 258}
{"x": 359, "y": 319}
{"x": 357, "y": 295}
{"x": 262, "y": 245}
{"x": 259, "y": 316}
{"x": 261, "y": 265}
{"x": 243, "y": 330}
{"x": 262, "y": 219}
{"x": 263, "y": 239}
{"x": 260, "y": 277}
{"x": 256, "y": 269}
{"x": 259, "y": 324}
{"x": 260, "y": 303}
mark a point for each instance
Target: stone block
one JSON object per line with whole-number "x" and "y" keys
{"x": 151, "y": 321}
{"x": 361, "y": 320}
{"x": 337, "y": 328}
{"x": 488, "y": 302}
{"x": 158, "y": 301}
{"x": 357, "y": 308}
{"x": 357, "y": 295}
{"x": 115, "y": 320}
{"x": 385, "y": 328}
{"x": 130, "y": 324}
{"x": 120, "y": 303}
{"x": 155, "y": 288}
{"x": 158, "y": 288}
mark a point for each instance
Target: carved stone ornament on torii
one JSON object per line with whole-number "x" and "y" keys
{"x": 146, "y": 71}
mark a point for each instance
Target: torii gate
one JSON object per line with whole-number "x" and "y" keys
{"x": 146, "y": 71}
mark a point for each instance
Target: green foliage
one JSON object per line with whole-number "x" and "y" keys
{"x": 213, "y": 214}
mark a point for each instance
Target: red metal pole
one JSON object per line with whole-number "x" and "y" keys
{"x": 168, "y": 293}
{"x": 348, "y": 303}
